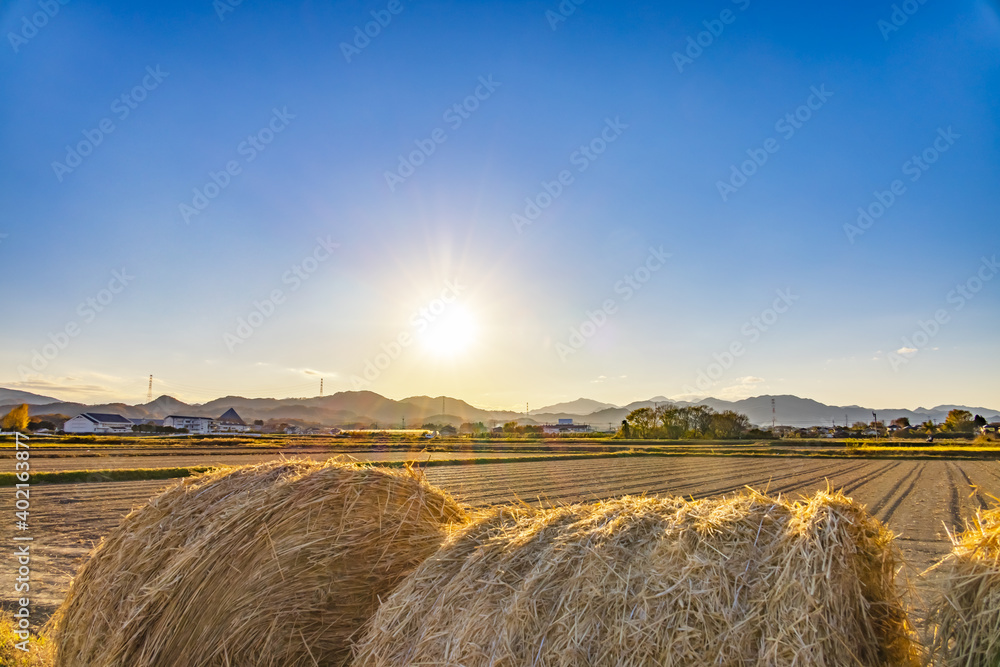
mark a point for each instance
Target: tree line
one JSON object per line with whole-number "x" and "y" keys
{"x": 670, "y": 421}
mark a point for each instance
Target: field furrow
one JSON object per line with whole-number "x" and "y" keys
{"x": 920, "y": 500}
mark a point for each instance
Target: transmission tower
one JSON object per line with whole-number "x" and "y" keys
{"x": 772, "y": 416}
{"x": 149, "y": 392}
{"x": 321, "y": 387}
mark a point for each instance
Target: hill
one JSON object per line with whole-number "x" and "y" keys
{"x": 369, "y": 408}
{"x": 16, "y": 397}
{"x": 581, "y": 406}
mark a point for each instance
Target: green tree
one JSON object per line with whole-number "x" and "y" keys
{"x": 730, "y": 424}
{"x": 472, "y": 427}
{"x": 16, "y": 419}
{"x": 672, "y": 420}
{"x": 979, "y": 420}
{"x": 641, "y": 421}
{"x": 959, "y": 421}
{"x": 699, "y": 418}
{"x": 901, "y": 422}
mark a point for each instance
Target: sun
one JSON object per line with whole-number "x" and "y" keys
{"x": 452, "y": 334}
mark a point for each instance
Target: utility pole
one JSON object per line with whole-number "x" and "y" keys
{"x": 875, "y": 424}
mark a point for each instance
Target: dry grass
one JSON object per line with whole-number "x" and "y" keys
{"x": 39, "y": 653}
{"x": 274, "y": 564}
{"x": 964, "y": 619}
{"x": 747, "y": 580}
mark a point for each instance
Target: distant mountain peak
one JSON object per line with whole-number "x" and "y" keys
{"x": 16, "y": 396}
{"x": 581, "y": 406}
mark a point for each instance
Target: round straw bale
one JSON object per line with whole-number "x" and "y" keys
{"x": 274, "y": 564}
{"x": 745, "y": 580}
{"x": 963, "y": 617}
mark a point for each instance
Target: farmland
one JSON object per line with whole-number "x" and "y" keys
{"x": 916, "y": 498}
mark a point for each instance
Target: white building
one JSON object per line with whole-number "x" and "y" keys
{"x": 192, "y": 424}
{"x": 229, "y": 422}
{"x": 96, "y": 422}
{"x": 565, "y": 426}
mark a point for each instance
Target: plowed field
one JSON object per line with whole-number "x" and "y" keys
{"x": 916, "y": 498}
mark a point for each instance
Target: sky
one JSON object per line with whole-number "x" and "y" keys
{"x": 505, "y": 202}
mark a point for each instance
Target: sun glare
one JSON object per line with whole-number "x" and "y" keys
{"x": 450, "y": 335}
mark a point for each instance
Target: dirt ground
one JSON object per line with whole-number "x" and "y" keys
{"x": 916, "y": 499}
{"x": 42, "y": 463}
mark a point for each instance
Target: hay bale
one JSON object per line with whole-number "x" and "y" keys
{"x": 963, "y": 619}
{"x": 274, "y": 564}
{"x": 747, "y": 580}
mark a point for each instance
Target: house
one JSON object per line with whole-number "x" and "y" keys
{"x": 565, "y": 426}
{"x": 230, "y": 422}
{"x": 993, "y": 428}
{"x": 98, "y": 422}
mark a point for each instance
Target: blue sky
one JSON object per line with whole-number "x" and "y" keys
{"x": 537, "y": 310}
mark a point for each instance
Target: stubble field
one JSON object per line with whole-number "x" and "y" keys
{"x": 920, "y": 500}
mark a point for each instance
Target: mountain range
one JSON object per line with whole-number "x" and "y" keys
{"x": 366, "y": 407}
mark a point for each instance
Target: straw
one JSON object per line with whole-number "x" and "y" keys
{"x": 744, "y": 580}
{"x": 274, "y": 564}
{"x": 963, "y": 620}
